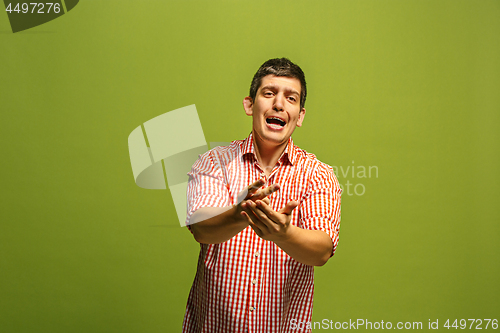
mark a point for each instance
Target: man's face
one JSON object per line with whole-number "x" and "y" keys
{"x": 276, "y": 109}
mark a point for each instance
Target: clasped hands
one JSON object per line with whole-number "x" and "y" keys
{"x": 265, "y": 222}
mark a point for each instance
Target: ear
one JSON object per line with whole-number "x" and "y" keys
{"x": 302, "y": 114}
{"x": 248, "y": 105}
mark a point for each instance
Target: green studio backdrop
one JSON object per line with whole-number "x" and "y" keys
{"x": 406, "y": 90}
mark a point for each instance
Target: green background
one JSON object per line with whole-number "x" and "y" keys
{"x": 411, "y": 87}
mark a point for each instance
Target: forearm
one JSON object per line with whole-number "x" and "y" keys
{"x": 310, "y": 247}
{"x": 214, "y": 225}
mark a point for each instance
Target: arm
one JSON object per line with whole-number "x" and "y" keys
{"x": 213, "y": 225}
{"x": 315, "y": 241}
{"x": 310, "y": 247}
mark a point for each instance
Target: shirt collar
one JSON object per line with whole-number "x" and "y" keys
{"x": 288, "y": 154}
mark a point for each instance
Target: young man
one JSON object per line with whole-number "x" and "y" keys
{"x": 265, "y": 212}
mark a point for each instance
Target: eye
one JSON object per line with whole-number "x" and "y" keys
{"x": 268, "y": 94}
{"x": 292, "y": 99}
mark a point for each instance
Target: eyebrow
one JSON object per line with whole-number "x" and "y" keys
{"x": 275, "y": 87}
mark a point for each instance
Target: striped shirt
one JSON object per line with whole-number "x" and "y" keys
{"x": 248, "y": 284}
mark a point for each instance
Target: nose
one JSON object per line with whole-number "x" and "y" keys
{"x": 278, "y": 102}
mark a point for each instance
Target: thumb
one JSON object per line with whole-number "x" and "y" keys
{"x": 289, "y": 207}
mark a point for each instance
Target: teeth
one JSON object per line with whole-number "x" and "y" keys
{"x": 278, "y": 119}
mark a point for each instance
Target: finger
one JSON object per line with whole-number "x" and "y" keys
{"x": 262, "y": 219}
{"x": 254, "y": 187}
{"x": 254, "y": 227}
{"x": 268, "y": 211}
{"x": 261, "y": 194}
{"x": 257, "y": 216}
{"x": 270, "y": 190}
{"x": 248, "y": 191}
{"x": 257, "y": 230}
{"x": 245, "y": 214}
{"x": 266, "y": 200}
{"x": 251, "y": 223}
{"x": 289, "y": 207}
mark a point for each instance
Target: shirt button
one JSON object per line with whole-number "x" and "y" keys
{"x": 252, "y": 308}
{"x": 257, "y": 254}
{"x": 254, "y": 281}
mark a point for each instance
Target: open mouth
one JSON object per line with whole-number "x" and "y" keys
{"x": 275, "y": 122}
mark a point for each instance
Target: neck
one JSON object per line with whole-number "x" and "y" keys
{"x": 267, "y": 154}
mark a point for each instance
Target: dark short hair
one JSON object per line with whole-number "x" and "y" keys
{"x": 279, "y": 67}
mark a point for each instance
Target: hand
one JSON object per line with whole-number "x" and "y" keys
{"x": 267, "y": 223}
{"x": 254, "y": 192}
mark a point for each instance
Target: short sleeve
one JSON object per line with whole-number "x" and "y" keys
{"x": 320, "y": 208}
{"x": 206, "y": 185}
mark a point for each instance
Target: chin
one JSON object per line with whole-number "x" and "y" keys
{"x": 272, "y": 137}
{"x": 275, "y": 139}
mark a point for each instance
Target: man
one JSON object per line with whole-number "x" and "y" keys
{"x": 265, "y": 212}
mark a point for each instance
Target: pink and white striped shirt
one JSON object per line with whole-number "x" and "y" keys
{"x": 248, "y": 284}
